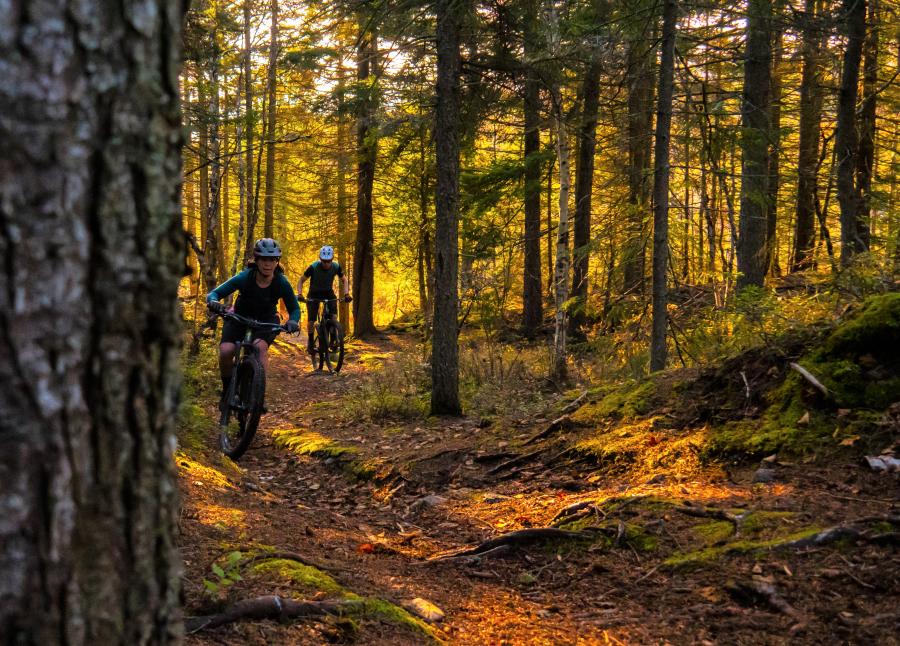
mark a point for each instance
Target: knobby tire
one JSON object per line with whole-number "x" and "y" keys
{"x": 251, "y": 388}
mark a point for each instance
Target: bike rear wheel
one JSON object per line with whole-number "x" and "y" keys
{"x": 247, "y": 404}
{"x": 334, "y": 345}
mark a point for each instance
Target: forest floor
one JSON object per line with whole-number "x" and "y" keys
{"x": 698, "y": 554}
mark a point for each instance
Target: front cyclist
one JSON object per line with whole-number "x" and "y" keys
{"x": 259, "y": 288}
{"x": 321, "y": 275}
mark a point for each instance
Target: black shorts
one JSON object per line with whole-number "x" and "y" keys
{"x": 233, "y": 332}
{"x": 312, "y": 309}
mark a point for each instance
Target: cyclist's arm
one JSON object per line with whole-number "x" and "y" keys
{"x": 290, "y": 299}
{"x": 227, "y": 288}
{"x": 300, "y": 284}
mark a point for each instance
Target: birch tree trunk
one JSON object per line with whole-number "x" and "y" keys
{"x": 94, "y": 247}
{"x": 559, "y": 371}
{"x": 248, "y": 126}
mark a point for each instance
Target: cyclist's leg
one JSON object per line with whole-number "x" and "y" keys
{"x": 263, "y": 346}
{"x": 232, "y": 332}
{"x": 312, "y": 311}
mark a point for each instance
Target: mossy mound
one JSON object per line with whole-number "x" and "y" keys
{"x": 859, "y": 364}
{"x": 309, "y": 581}
{"x": 755, "y": 404}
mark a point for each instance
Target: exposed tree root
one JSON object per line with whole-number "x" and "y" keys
{"x": 519, "y": 537}
{"x": 287, "y": 556}
{"x": 718, "y": 514}
{"x": 851, "y": 532}
{"x": 556, "y": 425}
{"x": 503, "y": 466}
{"x": 266, "y": 607}
{"x": 576, "y": 511}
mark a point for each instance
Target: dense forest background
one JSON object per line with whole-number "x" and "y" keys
{"x": 765, "y": 145}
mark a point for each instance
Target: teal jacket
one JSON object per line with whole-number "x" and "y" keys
{"x": 256, "y": 302}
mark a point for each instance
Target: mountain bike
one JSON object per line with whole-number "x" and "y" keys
{"x": 243, "y": 400}
{"x": 328, "y": 337}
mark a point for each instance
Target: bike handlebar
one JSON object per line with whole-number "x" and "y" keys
{"x": 257, "y": 325}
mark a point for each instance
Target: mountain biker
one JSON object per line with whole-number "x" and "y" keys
{"x": 321, "y": 275}
{"x": 259, "y": 288}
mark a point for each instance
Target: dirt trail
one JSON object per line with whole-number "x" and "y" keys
{"x": 372, "y": 535}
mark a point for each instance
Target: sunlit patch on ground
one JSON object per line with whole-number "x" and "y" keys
{"x": 219, "y": 516}
{"x": 200, "y": 473}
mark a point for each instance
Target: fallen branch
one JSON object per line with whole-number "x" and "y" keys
{"x": 469, "y": 559}
{"x": 806, "y": 374}
{"x": 266, "y": 607}
{"x": 503, "y": 466}
{"x": 755, "y": 591}
{"x": 518, "y": 537}
{"x": 574, "y": 405}
{"x": 554, "y": 426}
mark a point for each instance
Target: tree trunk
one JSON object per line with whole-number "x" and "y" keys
{"x": 772, "y": 264}
{"x": 866, "y": 159}
{"x": 751, "y": 252}
{"x": 846, "y": 137}
{"x": 532, "y": 294}
{"x": 367, "y": 149}
{"x": 89, "y": 201}
{"x": 445, "y": 350}
{"x": 640, "y": 97}
{"x": 343, "y": 228}
{"x": 661, "y": 187}
{"x": 211, "y": 247}
{"x": 559, "y": 371}
{"x": 584, "y": 183}
{"x": 272, "y": 86}
{"x": 424, "y": 251}
{"x": 249, "y": 172}
{"x": 807, "y": 165}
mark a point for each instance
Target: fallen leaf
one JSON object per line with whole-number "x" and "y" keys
{"x": 365, "y": 548}
{"x": 849, "y": 441}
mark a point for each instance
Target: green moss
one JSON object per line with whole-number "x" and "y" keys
{"x": 307, "y": 577}
{"x": 714, "y": 532}
{"x": 375, "y": 608}
{"x": 194, "y": 426}
{"x": 310, "y": 443}
{"x": 757, "y": 522}
{"x": 875, "y": 328}
{"x": 311, "y": 580}
{"x": 626, "y": 402}
{"x": 709, "y": 554}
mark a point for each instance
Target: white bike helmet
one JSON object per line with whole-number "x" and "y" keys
{"x": 326, "y": 253}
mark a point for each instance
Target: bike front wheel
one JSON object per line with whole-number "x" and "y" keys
{"x": 247, "y": 405}
{"x": 334, "y": 345}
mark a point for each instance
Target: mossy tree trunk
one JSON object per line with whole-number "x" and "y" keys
{"x": 94, "y": 248}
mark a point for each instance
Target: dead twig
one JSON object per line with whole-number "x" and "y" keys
{"x": 806, "y": 374}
